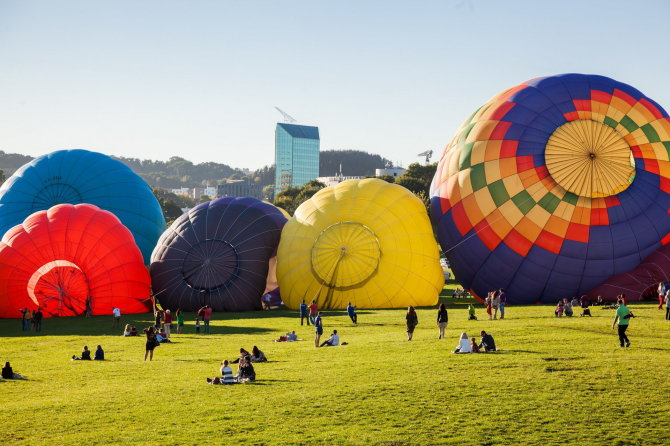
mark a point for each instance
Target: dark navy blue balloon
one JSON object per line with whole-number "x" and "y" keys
{"x": 81, "y": 176}
{"x": 217, "y": 254}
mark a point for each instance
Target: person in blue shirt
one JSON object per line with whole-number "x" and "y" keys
{"x": 304, "y": 313}
{"x": 351, "y": 311}
{"x": 99, "y": 354}
{"x": 318, "y": 325}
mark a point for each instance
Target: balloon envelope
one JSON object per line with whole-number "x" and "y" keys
{"x": 554, "y": 186}
{"x": 217, "y": 254}
{"x": 80, "y": 176}
{"x": 362, "y": 241}
{"x": 61, "y": 258}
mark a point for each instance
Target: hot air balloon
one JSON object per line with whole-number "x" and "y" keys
{"x": 69, "y": 257}
{"x": 217, "y": 254}
{"x": 362, "y": 241}
{"x": 80, "y": 176}
{"x": 554, "y": 186}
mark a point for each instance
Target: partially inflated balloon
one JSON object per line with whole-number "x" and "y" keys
{"x": 62, "y": 258}
{"x": 217, "y": 254}
{"x": 554, "y": 186}
{"x": 367, "y": 242}
{"x": 80, "y": 176}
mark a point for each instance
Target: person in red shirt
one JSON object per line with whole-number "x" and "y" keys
{"x": 167, "y": 323}
{"x": 313, "y": 310}
{"x": 206, "y": 313}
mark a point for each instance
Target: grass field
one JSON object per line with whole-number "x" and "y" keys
{"x": 555, "y": 381}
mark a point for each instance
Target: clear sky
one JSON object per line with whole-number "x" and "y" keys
{"x": 199, "y": 79}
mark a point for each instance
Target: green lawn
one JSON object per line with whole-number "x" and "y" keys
{"x": 556, "y": 381}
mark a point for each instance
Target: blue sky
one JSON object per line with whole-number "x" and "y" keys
{"x": 200, "y": 79}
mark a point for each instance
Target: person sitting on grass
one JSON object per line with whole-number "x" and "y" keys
{"x": 99, "y": 354}
{"x": 127, "y": 331}
{"x": 567, "y": 306}
{"x": 257, "y": 355}
{"x": 226, "y": 375}
{"x": 332, "y": 341}
{"x": 463, "y": 344}
{"x": 243, "y": 354}
{"x": 8, "y": 372}
{"x": 133, "y": 331}
{"x": 585, "y": 302}
{"x": 161, "y": 337}
{"x": 471, "y": 313}
{"x": 487, "y": 342}
{"x": 245, "y": 371}
{"x": 558, "y": 312}
{"x": 85, "y": 355}
{"x": 473, "y": 346}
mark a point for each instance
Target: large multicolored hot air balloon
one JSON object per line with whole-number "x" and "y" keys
{"x": 70, "y": 256}
{"x": 363, "y": 241}
{"x": 217, "y": 254}
{"x": 554, "y": 186}
{"x": 80, "y": 176}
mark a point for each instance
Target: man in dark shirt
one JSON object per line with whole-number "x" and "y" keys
{"x": 487, "y": 342}
{"x": 37, "y": 317}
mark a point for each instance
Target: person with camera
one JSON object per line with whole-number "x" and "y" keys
{"x": 623, "y": 316}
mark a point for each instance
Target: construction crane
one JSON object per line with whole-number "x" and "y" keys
{"x": 427, "y": 154}
{"x": 287, "y": 118}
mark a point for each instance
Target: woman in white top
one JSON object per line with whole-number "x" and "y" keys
{"x": 463, "y": 344}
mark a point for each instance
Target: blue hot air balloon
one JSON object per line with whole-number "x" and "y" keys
{"x": 81, "y": 176}
{"x": 217, "y": 254}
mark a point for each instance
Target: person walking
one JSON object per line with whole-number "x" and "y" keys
{"x": 351, "y": 311}
{"x": 304, "y": 313}
{"x": 412, "y": 320}
{"x": 318, "y": 325}
{"x": 313, "y": 310}
{"x": 442, "y": 319}
{"x": 623, "y": 316}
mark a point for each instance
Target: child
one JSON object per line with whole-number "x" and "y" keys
{"x": 471, "y": 310}
{"x": 559, "y": 309}
{"x": 197, "y": 325}
{"x": 473, "y": 346}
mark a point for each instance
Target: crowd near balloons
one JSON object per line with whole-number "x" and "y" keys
{"x": 555, "y": 188}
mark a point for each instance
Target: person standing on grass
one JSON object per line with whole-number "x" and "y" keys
{"x": 206, "y": 317}
{"x": 412, "y": 320}
{"x": 318, "y": 325}
{"x": 180, "y": 321}
{"x": 487, "y": 301}
{"x": 151, "y": 343}
{"x": 25, "y": 319}
{"x": 158, "y": 317}
{"x": 167, "y": 323}
{"x": 304, "y": 314}
{"x": 313, "y": 310}
{"x": 661, "y": 290}
{"x": 351, "y": 311}
{"x": 37, "y": 319}
{"x": 623, "y": 316}
{"x": 117, "y": 317}
{"x": 495, "y": 303}
{"x": 667, "y": 306}
{"x": 442, "y": 319}
{"x": 503, "y": 302}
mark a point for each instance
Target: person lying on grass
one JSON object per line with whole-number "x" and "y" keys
{"x": 85, "y": 355}
{"x": 463, "y": 344}
{"x": 487, "y": 342}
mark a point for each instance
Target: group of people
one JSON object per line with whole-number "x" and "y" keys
{"x": 664, "y": 298}
{"x": 31, "y": 320}
{"x": 245, "y": 369}
{"x": 86, "y": 354}
{"x": 470, "y": 345}
{"x": 566, "y": 306}
{"x": 495, "y": 301}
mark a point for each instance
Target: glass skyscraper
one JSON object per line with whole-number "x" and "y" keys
{"x": 296, "y": 155}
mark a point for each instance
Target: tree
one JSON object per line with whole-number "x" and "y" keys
{"x": 417, "y": 179}
{"x": 171, "y": 204}
{"x": 293, "y": 197}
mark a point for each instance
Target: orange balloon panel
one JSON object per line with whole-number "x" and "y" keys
{"x": 61, "y": 258}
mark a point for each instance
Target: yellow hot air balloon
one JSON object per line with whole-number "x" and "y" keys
{"x": 367, "y": 242}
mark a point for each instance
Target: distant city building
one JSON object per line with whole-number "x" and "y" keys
{"x": 296, "y": 155}
{"x": 332, "y": 181}
{"x": 187, "y": 191}
{"x": 195, "y": 192}
{"x": 240, "y": 188}
{"x": 393, "y": 171}
{"x": 211, "y": 191}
